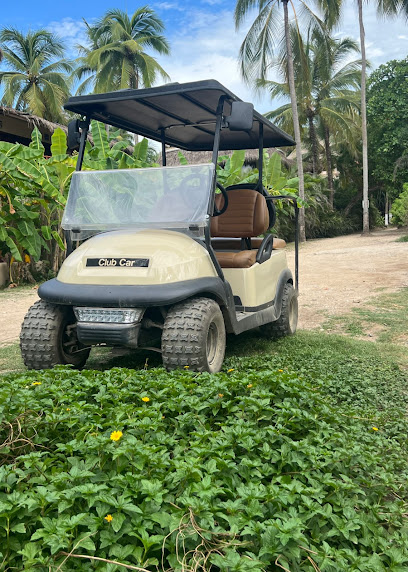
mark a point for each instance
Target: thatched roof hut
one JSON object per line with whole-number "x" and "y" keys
{"x": 199, "y": 157}
{"x": 17, "y": 126}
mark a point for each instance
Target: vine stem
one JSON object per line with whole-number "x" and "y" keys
{"x": 85, "y": 556}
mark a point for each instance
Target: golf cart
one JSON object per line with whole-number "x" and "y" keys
{"x": 166, "y": 258}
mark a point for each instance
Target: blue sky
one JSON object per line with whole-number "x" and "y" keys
{"x": 201, "y": 33}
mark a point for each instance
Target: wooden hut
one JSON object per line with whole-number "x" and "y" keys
{"x": 17, "y": 126}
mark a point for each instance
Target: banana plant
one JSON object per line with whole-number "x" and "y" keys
{"x": 111, "y": 151}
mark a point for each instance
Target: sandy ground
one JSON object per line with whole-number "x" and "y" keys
{"x": 335, "y": 275}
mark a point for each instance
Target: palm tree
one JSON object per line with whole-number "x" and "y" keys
{"x": 116, "y": 57}
{"x": 37, "y": 76}
{"x": 385, "y": 8}
{"x": 260, "y": 43}
{"x": 325, "y": 89}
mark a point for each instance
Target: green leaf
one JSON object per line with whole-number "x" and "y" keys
{"x": 100, "y": 138}
{"x": 59, "y": 240}
{"x": 118, "y": 520}
{"x": 36, "y": 140}
{"x": 58, "y": 142}
{"x": 140, "y": 151}
{"x": 13, "y": 249}
{"x": 46, "y": 232}
{"x": 19, "y": 528}
{"x": 272, "y": 171}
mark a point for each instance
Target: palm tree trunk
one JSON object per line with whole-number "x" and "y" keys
{"x": 329, "y": 164}
{"x": 366, "y": 221}
{"x": 313, "y": 139}
{"x": 291, "y": 80}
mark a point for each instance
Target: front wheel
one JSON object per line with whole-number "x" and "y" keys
{"x": 286, "y": 324}
{"x": 48, "y": 337}
{"x": 194, "y": 336}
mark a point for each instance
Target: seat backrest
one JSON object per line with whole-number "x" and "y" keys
{"x": 247, "y": 215}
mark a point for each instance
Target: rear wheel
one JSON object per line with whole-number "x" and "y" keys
{"x": 48, "y": 337}
{"x": 194, "y": 336}
{"x": 286, "y": 324}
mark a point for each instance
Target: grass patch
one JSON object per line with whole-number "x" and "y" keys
{"x": 402, "y": 238}
{"x": 293, "y": 456}
{"x": 384, "y": 320}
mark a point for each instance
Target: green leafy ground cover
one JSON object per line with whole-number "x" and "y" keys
{"x": 274, "y": 464}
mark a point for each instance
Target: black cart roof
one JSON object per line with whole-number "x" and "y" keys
{"x": 186, "y": 111}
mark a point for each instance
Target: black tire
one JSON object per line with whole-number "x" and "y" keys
{"x": 194, "y": 336}
{"x": 46, "y": 338}
{"x": 286, "y": 324}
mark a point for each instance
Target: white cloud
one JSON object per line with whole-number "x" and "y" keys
{"x": 384, "y": 36}
{"x": 206, "y": 47}
{"x": 72, "y": 32}
{"x": 167, "y": 6}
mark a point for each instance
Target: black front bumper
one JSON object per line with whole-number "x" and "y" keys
{"x": 92, "y": 333}
{"x": 102, "y": 296}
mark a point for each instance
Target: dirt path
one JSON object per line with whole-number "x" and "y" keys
{"x": 335, "y": 275}
{"x": 339, "y": 273}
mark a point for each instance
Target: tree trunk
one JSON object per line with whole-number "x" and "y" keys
{"x": 329, "y": 165}
{"x": 366, "y": 220}
{"x": 291, "y": 79}
{"x": 315, "y": 150}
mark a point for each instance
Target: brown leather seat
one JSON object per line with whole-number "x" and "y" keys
{"x": 247, "y": 216}
{"x": 236, "y": 243}
{"x": 237, "y": 259}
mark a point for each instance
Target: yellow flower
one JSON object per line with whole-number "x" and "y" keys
{"x": 115, "y": 436}
{"x": 27, "y": 259}
{"x": 146, "y": 399}
{"x": 220, "y": 395}
{"x": 36, "y": 383}
{"x": 280, "y": 370}
{"x": 229, "y": 371}
{"x": 375, "y": 428}
{"x": 109, "y": 517}
{"x": 68, "y": 409}
{"x": 249, "y": 385}
{"x": 186, "y": 367}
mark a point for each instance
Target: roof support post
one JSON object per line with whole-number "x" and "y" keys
{"x": 218, "y": 125}
{"x": 260, "y": 158}
{"x": 84, "y": 125}
{"x": 163, "y": 143}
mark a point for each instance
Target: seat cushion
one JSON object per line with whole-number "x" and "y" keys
{"x": 236, "y": 243}
{"x": 247, "y": 215}
{"x": 237, "y": 259}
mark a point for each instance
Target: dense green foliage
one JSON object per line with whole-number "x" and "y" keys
{"x": 33, "y": 189}
{"x": 275, "y": 461}
{"x": 387, "y": 112}
{"x": 399, "y": 208}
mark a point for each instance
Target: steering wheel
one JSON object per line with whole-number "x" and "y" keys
{"x": 225, "y": 196}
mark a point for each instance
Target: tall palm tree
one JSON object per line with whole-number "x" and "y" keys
{"x": 259, "y": 45}
{"x": 116, "y": 57}
{"x": 37, "y": 78}
{"x": 385, "y": 8}
{"x": 327, "y": 90}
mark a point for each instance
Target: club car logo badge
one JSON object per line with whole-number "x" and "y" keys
{"x": 118, "y": 262}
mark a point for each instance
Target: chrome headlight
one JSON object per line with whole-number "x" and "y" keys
{"x": 109, "y": 315}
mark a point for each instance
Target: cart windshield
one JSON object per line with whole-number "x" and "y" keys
{"x": 165, "y": 198}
